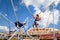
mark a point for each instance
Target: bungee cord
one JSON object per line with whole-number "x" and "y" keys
{"x": 7, "y": 11}
{"x": 13, "y": 34}
{"x": 16, "y": 16}
{"x": 47, "y": 21}
{"x": 16, "y": 20}
{"x": 54, "y": 37}
{"x": 49, "y": 15}
{"x": 40, "y": 12}
{"x": 14, "y": 10}
{"x": 7, "y": 19}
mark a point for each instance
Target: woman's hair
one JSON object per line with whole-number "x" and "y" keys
{"x": 37, "y": 14}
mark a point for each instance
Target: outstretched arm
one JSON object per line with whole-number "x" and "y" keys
{"x": 34, "y": 17}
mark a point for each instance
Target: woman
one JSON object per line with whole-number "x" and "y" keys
{"x": 37, "y": 18}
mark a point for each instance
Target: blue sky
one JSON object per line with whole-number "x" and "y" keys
{"x": 21, "y": 12}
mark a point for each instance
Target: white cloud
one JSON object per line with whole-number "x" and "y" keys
{"x": 47, "y": 16}
{"x": 37, "y": 10}
{"x": 38, "y": 3}
{"x": 5, "y": 28}
{"x": 56, "y": 2}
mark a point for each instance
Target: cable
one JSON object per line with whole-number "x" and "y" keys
{"x": 44, "y": 11}
{"x": 13, "y": 34}
{"x": 15, "y": 15}
{"x": 6, "y": 19}
{"x": 54, "y": 25}
{"x": 48, "y": 9}
{"x": 14, "y": 10}
{"x": 47, "y": 20}
{"x": 7, "y": 12}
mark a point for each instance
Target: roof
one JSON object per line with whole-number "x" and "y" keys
{"x": 40, "y": 31}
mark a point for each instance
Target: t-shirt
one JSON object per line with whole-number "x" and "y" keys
{"x": 37, "y": 18}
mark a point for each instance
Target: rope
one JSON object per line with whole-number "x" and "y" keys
{"x": 46, "y": 10}
{"x": 31, "y": 12}
{"x": 47, "y": 20}
{"x": 14, "y": 10}
{"x": 7, "y": 19}
{"x": 54, "y": 26}
{"x": 24, "y": 32}
{"x": 15, "y": 17}
{"x": 49, "y": 14}
{"x": 13, "y": 34}
{"x": 7, "y": 12}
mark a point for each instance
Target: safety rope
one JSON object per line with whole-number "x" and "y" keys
{"x": 7, "y": 12}
{"x": 28, "y": 8}
{"x": 14, "y": 10}
{"x": 44, "y": 11}
{"x": 7, "y": 19}
{"x": 13, "y": 34}
{"x": 54, "y": 37}
{"x": 49, "y": 14}
{"x": 24, "y": 33}
{"x": 47, "y": 21}
{"x": 14, "y": 13}
{"x": 15, "y": 17}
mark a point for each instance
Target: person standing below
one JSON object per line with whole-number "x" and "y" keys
{"x": 37, "y": 19}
